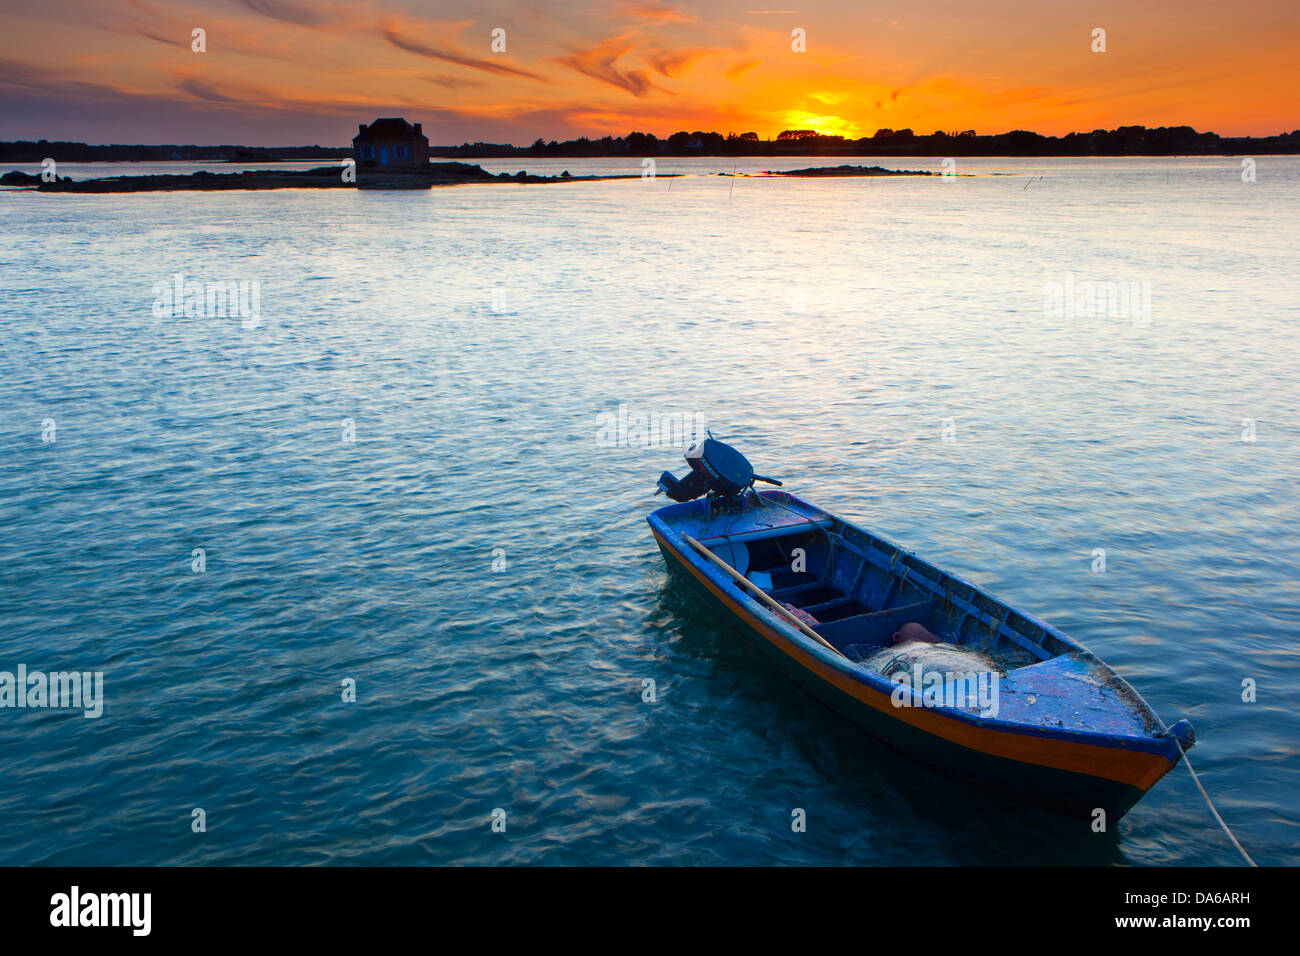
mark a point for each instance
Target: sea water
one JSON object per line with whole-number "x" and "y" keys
{"x": 365, "y": 576}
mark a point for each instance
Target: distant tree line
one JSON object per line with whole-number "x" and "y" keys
{"x": 28, "y": 151}
{"x": 1124, "y": 141}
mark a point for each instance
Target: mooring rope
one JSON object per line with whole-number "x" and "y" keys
{"x": 1210, "y": 803}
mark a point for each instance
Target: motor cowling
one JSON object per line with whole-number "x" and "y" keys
{"x": 716, "y": 468}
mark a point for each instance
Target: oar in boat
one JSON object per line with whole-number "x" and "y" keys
{"x": 759, "y": 593}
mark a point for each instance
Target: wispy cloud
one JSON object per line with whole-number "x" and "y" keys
{"x": 390, "y": 30}
{"x": 292, "y": 11}
{"x": 231, "y": 36}
{"x": 453, "y": 82}
{"x": 740, "y": 67}
{"x": 654, "y": 11}
{"x": 151, "y": 34}
{"x": 206, "y": 91}
{"x": 601, "y": 63}
{"x": 675, "y": 62}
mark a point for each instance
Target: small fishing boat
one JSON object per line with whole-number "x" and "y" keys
{"x": 921, "y": 659}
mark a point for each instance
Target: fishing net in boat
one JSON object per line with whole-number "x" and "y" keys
{"x": 927, "y": 656}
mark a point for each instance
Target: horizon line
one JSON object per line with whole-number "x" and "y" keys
{"x": 727, "y": 137}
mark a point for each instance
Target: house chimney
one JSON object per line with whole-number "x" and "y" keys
{"x": 417, "y": 128}
{"x": 362, "y": 127}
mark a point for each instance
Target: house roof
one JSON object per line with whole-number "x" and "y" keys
{"x": 390, "y": 127}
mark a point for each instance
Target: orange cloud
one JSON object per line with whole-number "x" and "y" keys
{"x": 601, "y": 63}
{"x": 676, "y": 62}
{"x": 389, "y": 31}
{"x": 655, "y": 11}
{"x": 291, "y": 11}
{"x": 740, "y": 67}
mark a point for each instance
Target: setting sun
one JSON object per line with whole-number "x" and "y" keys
{"x": 828, "y": 125}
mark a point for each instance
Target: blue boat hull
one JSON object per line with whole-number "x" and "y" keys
{"x": 1073, "y": 773}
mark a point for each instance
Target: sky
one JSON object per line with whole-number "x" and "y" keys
{"x": 302, "y": 72}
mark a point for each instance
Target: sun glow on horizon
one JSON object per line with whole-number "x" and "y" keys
{"x": 826, "y": 125}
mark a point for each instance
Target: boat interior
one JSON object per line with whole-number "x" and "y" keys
{"x": 856, "y": 590}
{"x": 859, "y": 590}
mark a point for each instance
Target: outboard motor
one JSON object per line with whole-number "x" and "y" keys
{"x": 716, "y": 469}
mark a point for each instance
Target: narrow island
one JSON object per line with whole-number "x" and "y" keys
{"x": 847, "y": 171}
{"x": 322, "y": 177}
{"x": 332, "y": 177}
